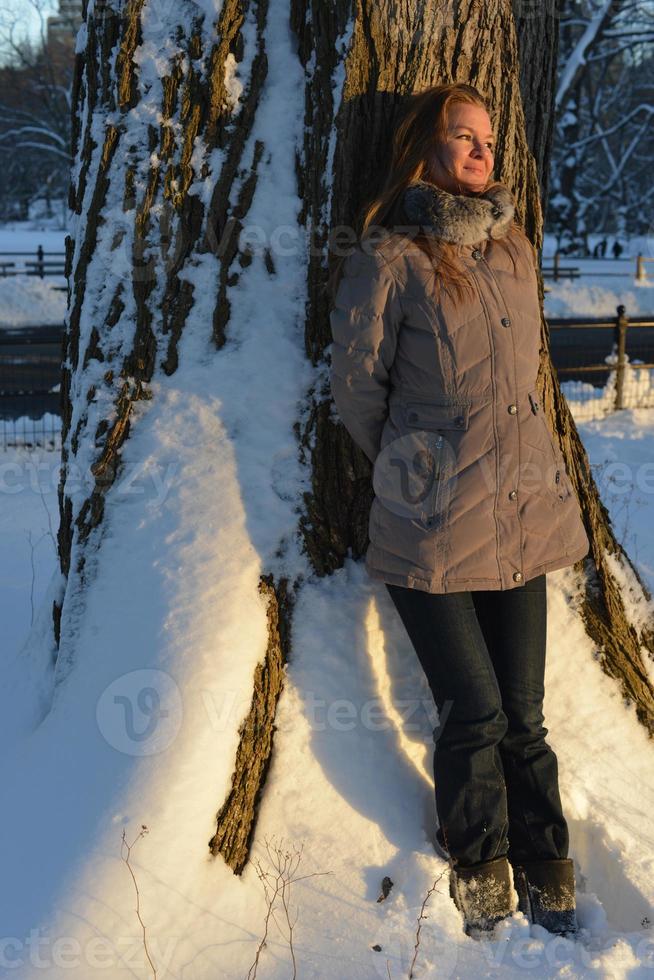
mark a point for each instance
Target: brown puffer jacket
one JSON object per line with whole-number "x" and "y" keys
{"x": 471, "y": 491}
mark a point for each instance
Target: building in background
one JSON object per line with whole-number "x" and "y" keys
{"x": 67, "y": 22}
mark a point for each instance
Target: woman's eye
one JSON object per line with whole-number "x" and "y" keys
{"x": 467, "y": 136}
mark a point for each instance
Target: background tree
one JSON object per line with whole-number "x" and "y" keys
{"x": 35, "y": 119}
{"x": 173, "y": 188}
{"x": 605, "y": 121}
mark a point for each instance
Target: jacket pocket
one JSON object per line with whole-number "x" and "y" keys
{"x": 413, "y": 477}
{"x": 432, "y": 416}
{"x": 430, "y": 421}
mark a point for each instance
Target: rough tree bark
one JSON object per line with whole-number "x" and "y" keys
{"x": 537, "y": 32}
{"x": 361, "y": 61}
{"x": 111, "y": 349}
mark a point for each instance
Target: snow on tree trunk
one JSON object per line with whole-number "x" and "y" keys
{"x": 166, "y": 165}
{"x": 177, "y": 142}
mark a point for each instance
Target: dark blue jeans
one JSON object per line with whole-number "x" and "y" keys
{"x": 496, "y": 778}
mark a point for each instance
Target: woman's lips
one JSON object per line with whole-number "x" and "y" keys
{"x": 474, "y": 170}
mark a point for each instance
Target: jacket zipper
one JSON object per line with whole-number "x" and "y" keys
{"x": 489, "y": 329}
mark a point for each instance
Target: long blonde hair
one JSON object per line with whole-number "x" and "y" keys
{"x": 420, "y": 131}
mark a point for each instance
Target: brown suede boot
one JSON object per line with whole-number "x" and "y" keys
{"x": 484, "y": 894}
{"x": 546, "y": 893}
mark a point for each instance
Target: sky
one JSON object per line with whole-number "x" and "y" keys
{"x": 28, "y": 19}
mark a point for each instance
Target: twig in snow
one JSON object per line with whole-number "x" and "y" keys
{"x": 48, "y": 515}
{"x": 32, "y": 548}
{"x": 129, "y": 847}
{"x": 420, "y": 917}
{"x": 279, "y": 881}
{"x": 48, "y": 533}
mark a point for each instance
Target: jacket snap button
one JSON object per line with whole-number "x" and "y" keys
{"x": 459, "y": 420}
{"x": 476, "y": 254}
{"x": 513, "y": 494}
{"x": 505, "y": 321}
{"x": 517, "y": 576}
{"x": 413, "y": 417}
{"x": 513, "y": 409}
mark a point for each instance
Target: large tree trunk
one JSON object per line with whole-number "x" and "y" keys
{"x": 538, "y": 47}
{"x": 166, "y": 225}
{"x": 359, "y": 67}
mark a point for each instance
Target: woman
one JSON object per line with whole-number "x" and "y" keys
{"x": 435, "y": 354}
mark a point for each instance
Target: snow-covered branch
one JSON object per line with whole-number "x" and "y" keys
{"x": 584, "y": 45}
{"x": 594, "y": 137}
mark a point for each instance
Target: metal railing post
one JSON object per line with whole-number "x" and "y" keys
{"x": 640, "y": 268}
{"x": 620, "y": 335}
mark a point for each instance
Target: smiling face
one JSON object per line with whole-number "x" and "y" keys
{"x": 464, "y": 162}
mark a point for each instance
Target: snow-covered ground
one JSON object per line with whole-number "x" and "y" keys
{"x": 595, "y": 294}
{"x": 143, "y": 730}
{"x": 30, "y": 300}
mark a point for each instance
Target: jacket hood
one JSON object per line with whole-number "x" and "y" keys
{"x": 458, "y": 218}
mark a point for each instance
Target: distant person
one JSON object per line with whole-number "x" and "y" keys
{"x": 617, "y": 249}
{"x": 600, "y": 249}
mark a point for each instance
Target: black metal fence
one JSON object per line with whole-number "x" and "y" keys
{"x": 36, "y": 265}
{"x": 30, "y": 378}
{"x": 43, "y": 432}
{"x": 603, "y": 364}
{"x": 581, "y": 350}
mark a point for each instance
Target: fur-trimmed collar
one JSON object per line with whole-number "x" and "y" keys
{"x": 459, "y": 218}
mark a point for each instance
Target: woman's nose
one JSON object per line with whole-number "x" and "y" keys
{"x": 480, "y": 150}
